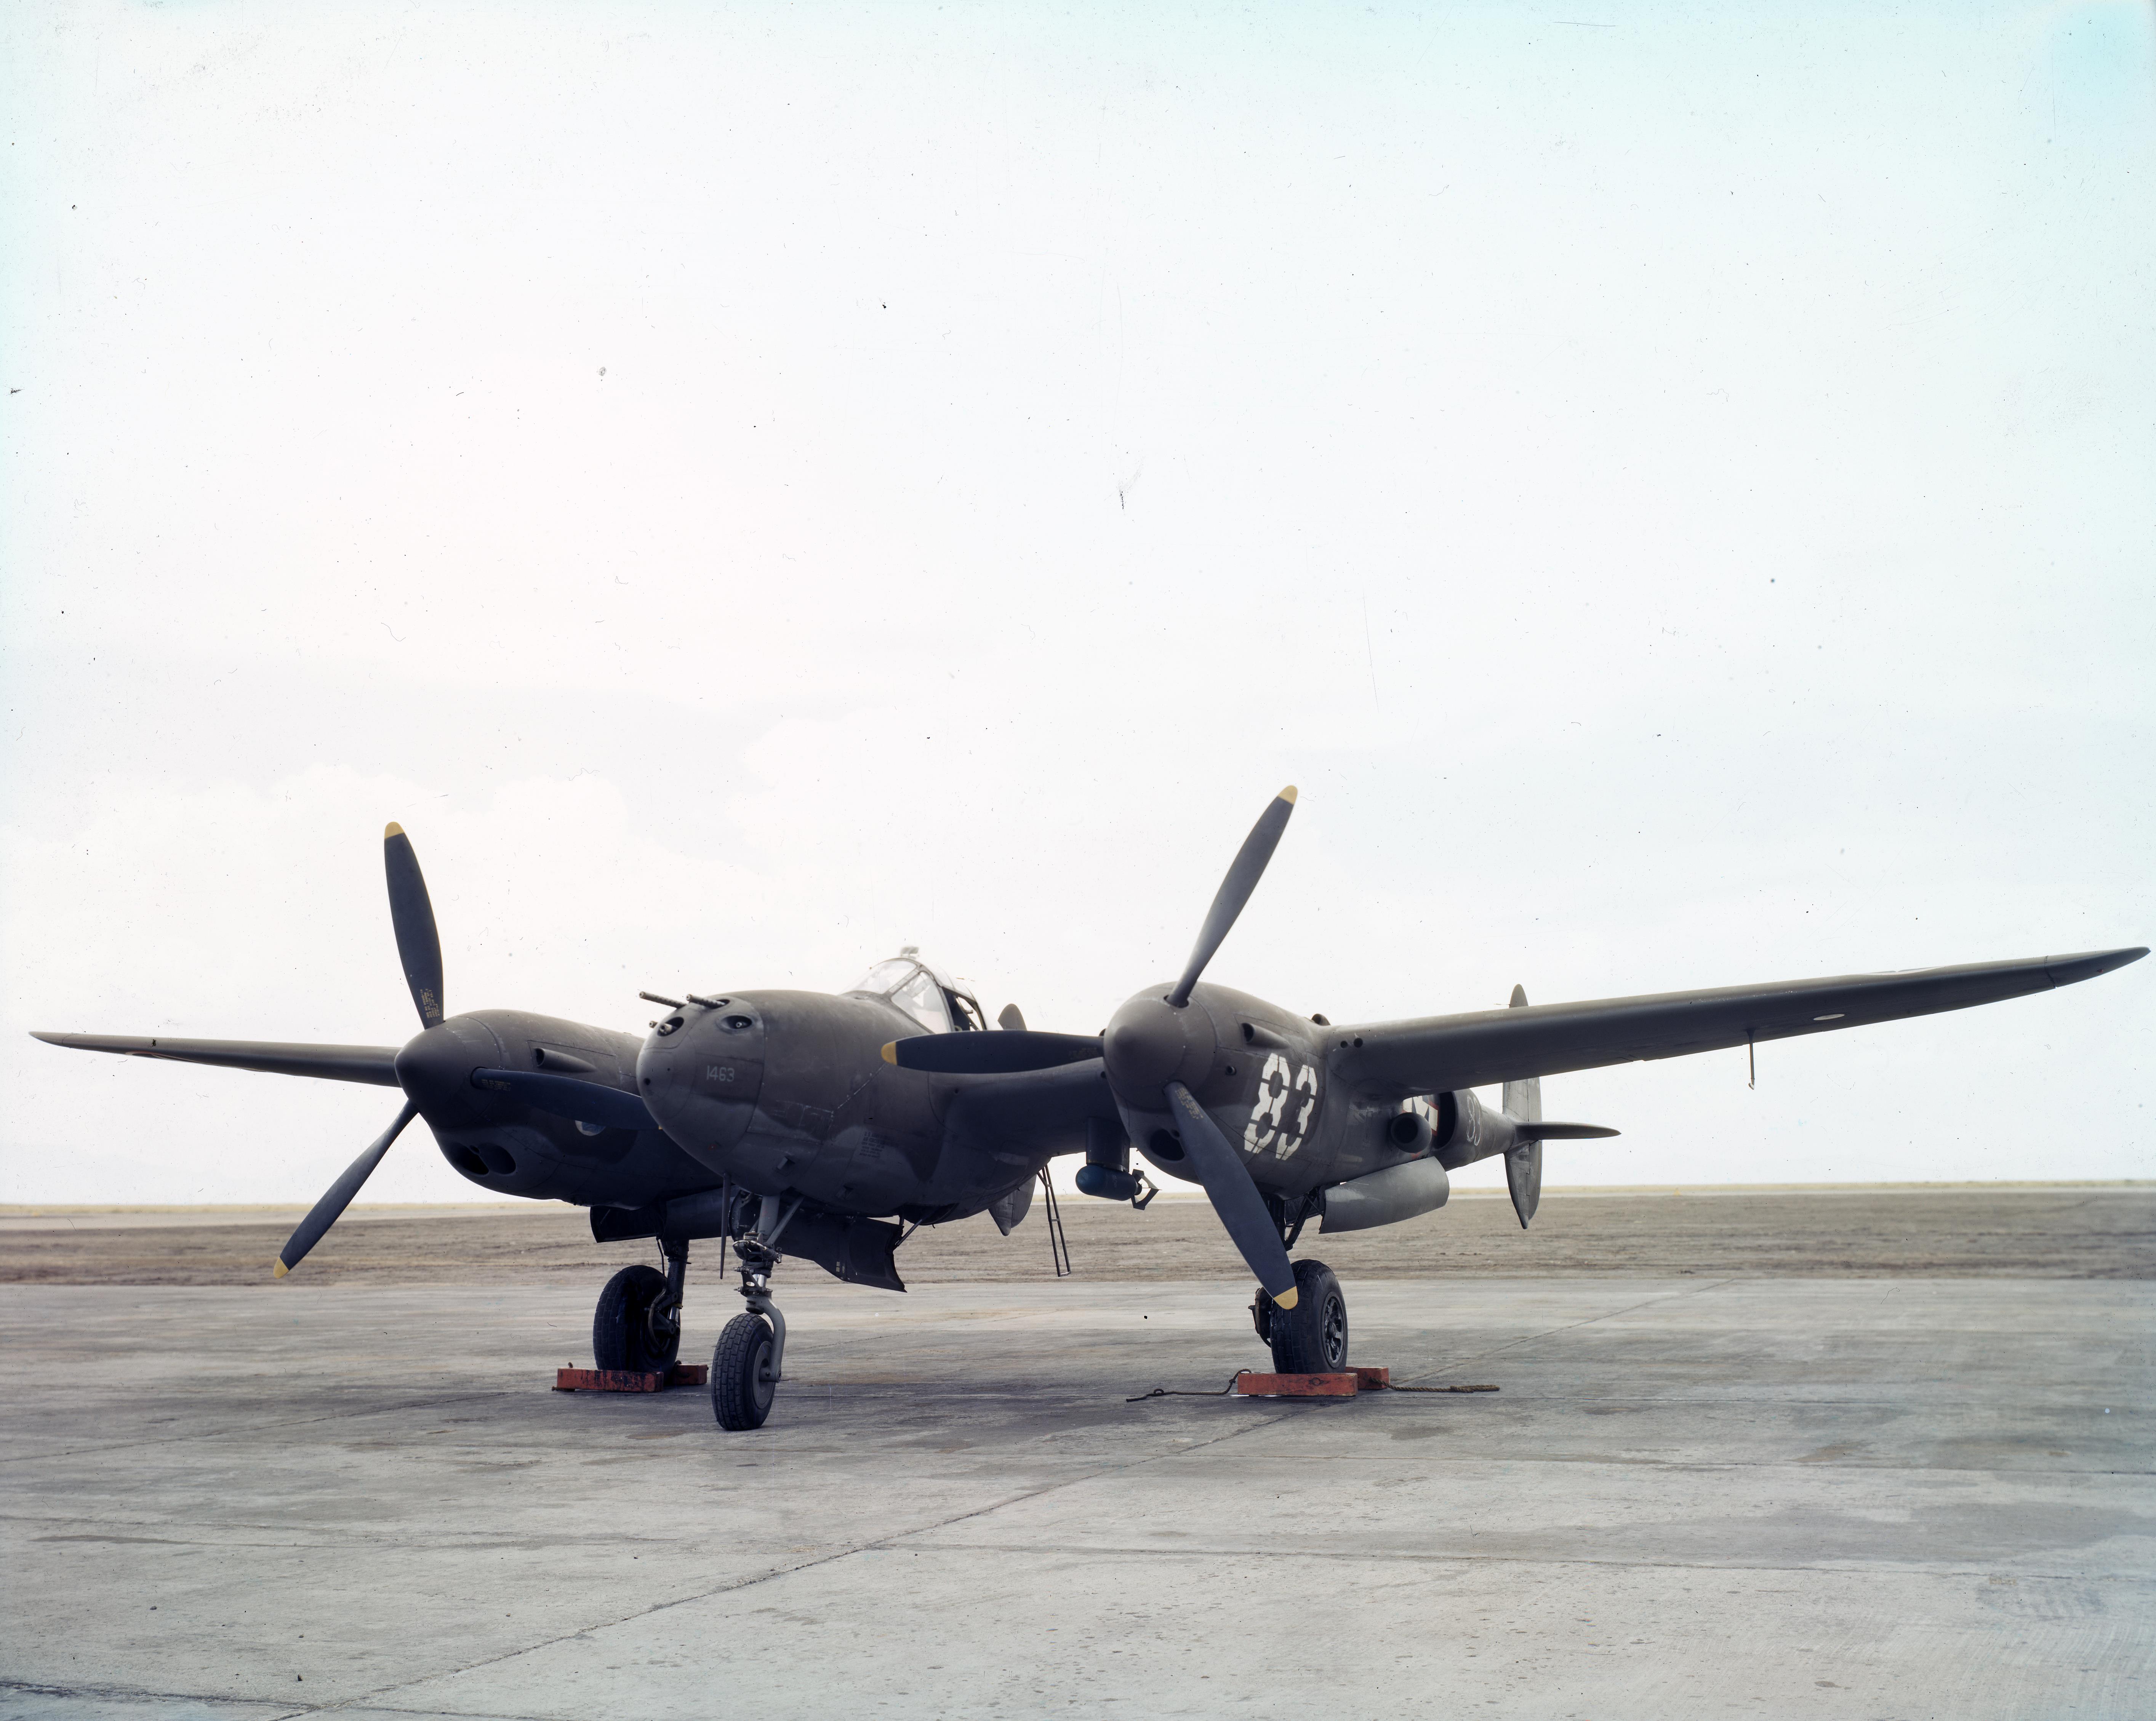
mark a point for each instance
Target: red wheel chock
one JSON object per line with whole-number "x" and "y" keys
{"x": 630, "y": 1380}
{"x": 1344, "y": 1384}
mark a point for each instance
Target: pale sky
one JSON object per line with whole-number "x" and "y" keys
{"x": 749, "y": 488}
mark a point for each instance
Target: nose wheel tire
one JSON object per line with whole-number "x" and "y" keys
{"x": 624, "y": 1335}
{"x": 1312, "y": 1338}
{"x": 741, "y": 1386}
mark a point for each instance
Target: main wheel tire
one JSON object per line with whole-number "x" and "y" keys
{"x": 621, "y": 1326}
{"x": 742, "y": 1388}
{"x": 1312, "y": 1338}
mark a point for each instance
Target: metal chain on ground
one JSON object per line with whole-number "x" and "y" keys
{"x": 1180, "y": 1392}
{"x": 1390, "y": 1387}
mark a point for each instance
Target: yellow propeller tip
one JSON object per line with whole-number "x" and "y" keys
{"x": 391, "y": 829}
{"x": 1287, "y": 794}
{"x": 282, "y": 1271}
{"x": 1287, "y": 1298}
{"x": 890, "y": 1052}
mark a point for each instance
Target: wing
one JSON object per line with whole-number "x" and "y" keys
{"x": 1442, "y": 1052}
{"x": 374, "y": 1065}
{"x": 1041, "y": 1113}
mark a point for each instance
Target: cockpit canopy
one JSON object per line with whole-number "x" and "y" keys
{"x": 930, "y": 996}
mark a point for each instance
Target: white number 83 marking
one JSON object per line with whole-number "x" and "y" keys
{"x": 1266, "y": 1127}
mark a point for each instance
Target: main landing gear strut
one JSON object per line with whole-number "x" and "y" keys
{"x": 637, "y": 1327}
{"x": 745, "y": 1367}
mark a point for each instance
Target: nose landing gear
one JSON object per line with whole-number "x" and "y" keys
{"x": 751, "y": 1347}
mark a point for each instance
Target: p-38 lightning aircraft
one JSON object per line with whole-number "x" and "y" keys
{"x": 807, "y": 1124}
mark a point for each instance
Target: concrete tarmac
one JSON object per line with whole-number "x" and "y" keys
{"x": 1705, "y": 1496}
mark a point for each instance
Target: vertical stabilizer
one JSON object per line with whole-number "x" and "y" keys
{"x": 1523, "y": 1164}
{"x": 1524, "y": 1100}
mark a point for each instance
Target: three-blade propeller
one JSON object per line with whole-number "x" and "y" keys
{"x": 1141, "y": 1053}
{"x": 419, "y": 946}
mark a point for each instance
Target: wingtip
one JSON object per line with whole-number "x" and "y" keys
{"x": 2066, "y": 970}
{"x": 392, "y": 829}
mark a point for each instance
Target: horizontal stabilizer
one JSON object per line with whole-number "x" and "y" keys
{"x": 374, "y": 1065}
{"x": 1560, "y": 1132}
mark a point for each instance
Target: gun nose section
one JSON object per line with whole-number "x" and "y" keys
{"x": 700, "y": 1072}
{"x": 663, "y": 1063}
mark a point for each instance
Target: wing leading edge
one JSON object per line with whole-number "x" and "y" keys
{"x": 1438, "y": 1053}
{"x": 373, "y": 1064}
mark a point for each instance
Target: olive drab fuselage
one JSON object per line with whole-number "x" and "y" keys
{"x": 788, "y": 1093}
